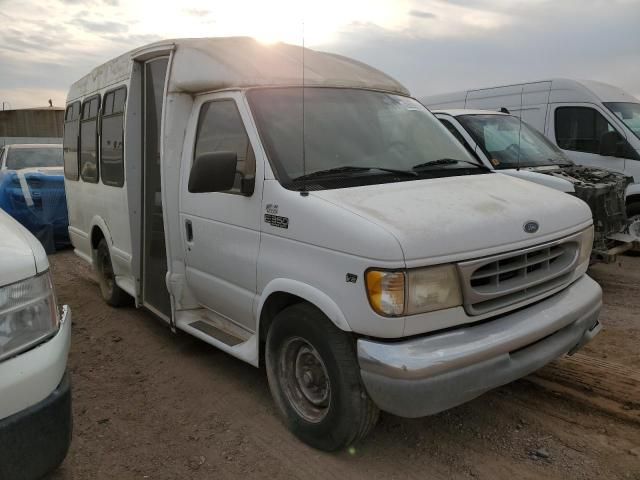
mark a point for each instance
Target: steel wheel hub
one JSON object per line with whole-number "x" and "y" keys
{"x": 304, "y": 379}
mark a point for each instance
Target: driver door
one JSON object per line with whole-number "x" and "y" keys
{"x": 578, "y": 129}
{"x": 221, "y": 230}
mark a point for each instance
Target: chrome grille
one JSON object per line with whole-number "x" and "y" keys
{"x": 499, "y": 281}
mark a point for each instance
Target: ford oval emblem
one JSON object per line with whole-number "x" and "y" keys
{"x": 531, "y": 226}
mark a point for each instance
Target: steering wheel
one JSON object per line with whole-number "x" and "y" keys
{"x": 513, "y": 149}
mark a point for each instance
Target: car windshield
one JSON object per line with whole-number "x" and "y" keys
{"x": 509, "y": 143}
{"x": 367, "y": 136}
{"x": 629, "y": 113}
{"x": 18, "y": 158}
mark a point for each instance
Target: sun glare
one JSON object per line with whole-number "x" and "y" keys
{"x": 267, "y": 21}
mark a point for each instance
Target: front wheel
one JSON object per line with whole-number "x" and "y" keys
{"x": 315, "y": 379}
{"x": 633, "y": 215}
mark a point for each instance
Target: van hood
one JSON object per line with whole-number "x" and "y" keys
{"x": 454, "y": 218}
{"x": 22, "y": 254}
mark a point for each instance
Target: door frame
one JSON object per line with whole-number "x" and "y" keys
{"x": 161, "y": 55}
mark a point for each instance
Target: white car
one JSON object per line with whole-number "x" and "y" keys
{"x": 503, "y": 143}
{"x": 595, "y": 124}
{"x": 35, "y": 394}
{"x": 31, "y": 155}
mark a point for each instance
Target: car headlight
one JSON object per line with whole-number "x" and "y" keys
{"x": 408, "y": 292}
{"x": 28, "y": 314}
{"x": 586, "y": 245}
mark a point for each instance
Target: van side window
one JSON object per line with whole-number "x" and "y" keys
{"x": 580, "y": 129}
{"x": 112, "y": 138}
{"x": 89, "y": 140}
{"x": 70, "y": 141}
{"x": 220, "y": 129}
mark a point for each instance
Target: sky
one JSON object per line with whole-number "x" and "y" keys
{"x": 431, "y": 46}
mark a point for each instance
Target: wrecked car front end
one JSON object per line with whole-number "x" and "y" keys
{"x": 604, "y": 192}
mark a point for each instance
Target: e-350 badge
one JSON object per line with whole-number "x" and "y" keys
{"x": 273, "y": 219}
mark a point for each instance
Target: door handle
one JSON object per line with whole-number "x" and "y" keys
{"x": 189, "y": 230}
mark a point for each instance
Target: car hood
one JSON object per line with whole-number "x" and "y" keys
{"x": 22, "y": 254}
{"x": 541, "y": 178}
{"x": 453, "y": 218}
{"x": 43, "y": 170}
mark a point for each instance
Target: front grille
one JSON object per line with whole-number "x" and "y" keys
{"x": 499, "y": 281}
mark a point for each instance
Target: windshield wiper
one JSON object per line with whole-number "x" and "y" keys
{"x": 348, "y": 169}
{"x": 446, "y": 161}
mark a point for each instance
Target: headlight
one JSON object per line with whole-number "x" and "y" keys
{"x": 28, "y": 314}
{"x": 394, "y": 293}
{"x": 586, "y": 244}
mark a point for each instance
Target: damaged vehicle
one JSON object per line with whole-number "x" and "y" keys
{"x": 505, "y": 144}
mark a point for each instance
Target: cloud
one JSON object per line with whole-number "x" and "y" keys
{"x": 432, "y": 46}
{"x": 93, "y": 26}
{"x": 197, "y": 12}
{"x": 536, "y": 42}
{"x": 422, "y": 14}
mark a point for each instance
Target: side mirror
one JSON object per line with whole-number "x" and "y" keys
{"x": 609, "y": 144}
{"x": 213, "y": 172}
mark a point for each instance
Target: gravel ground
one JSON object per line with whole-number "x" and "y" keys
{"x": 151, "y": 404}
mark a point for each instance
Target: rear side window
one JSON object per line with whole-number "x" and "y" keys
{"x": 112, "y": 138}
{"x": 580, "y": 129}
{"x": 220, "y": 129}
{"x": 70, "y": 140}
{"x": 89, "y": 140}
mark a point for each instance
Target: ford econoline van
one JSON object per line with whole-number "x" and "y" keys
{"x": 510, "y": 146}
{"x": 594, "y": 124}
{"x": 299, "y": 209}
{"x": 35, "y": 393}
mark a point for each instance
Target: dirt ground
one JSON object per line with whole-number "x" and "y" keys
{"x": 151, "y": 404}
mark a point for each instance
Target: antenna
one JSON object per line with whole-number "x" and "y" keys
{"x": 304, "y": 192}
{"x": 520, "y": 128}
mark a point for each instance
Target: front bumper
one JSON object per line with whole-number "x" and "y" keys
{"x": 429, "y": 374}
{"x": 34, "y": 441}
{"x": 31, "y": 376}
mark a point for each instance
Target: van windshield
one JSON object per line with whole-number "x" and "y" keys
{"x": 509, "y": 143}
{"x": 628, "y": 112}
{"x": 353, "y": 137}
{"x": 18, "y": 158}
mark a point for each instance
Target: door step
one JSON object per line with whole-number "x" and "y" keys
{"x": 219, "y": 332}
{"x": 213, "y": 331}
{"x": 213, "y": 325}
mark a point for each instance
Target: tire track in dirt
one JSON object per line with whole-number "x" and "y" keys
{"x": 150, "y": 404}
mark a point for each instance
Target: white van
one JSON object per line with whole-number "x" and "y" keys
{"x": 510, "y": 146}
{"x": 325, "y": 224}
{"x": 595, "y": 124}
{"x": 35, "y": 394}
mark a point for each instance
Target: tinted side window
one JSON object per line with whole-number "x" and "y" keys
{"x": 70, "y": 141}
{"x": 112, "y": 138}
{"x": 89, "y": 140}
{"x": 220, "y": 129}
{"x": 580, "y": 129}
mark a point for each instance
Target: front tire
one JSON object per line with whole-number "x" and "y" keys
{"x": 111, "y": 292}
{"x": 315, "y": 381}
{"x": 633, "y": 215}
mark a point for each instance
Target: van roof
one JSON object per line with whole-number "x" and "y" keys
{"x": 209, "y": 64}
{"x": 455, "y": 112}
{"x": 560, "y": 90}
